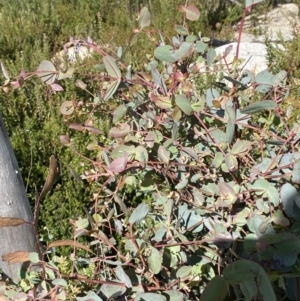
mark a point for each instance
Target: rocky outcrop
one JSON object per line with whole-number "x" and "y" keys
{"x": 252, "y": 55}
{"x": 282, "y": 19}
{"x": 253, "y": 52}
{"x": 70, "y": 55}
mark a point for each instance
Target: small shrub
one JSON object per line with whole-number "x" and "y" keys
{"x": 196, "y": 177}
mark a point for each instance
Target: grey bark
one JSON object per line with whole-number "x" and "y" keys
{"x": 13, "y": 203}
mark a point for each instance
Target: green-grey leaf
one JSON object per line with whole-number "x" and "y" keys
{"x": 119, "y": 113}
{"x": 259, "y": 106}
{"x": 249, "y": 242}
{"x": 168, "y": 207}
{"x": 265, "y": 78}
{"x": 249, "y": 289}
{"x": 163, "y": 154}
{"x": 191, "y": 38}
{"x": 182, "y": 184}
{"x": 155, "y": 261}
{"x": 47, "y": 72}
{"x": 296, "y": 173}
{"x": 263, "y": 88}
{"x": 218, "y": 160}
{"x": 216, "y": 289}
{"x": 279, "y": 219}
{"x": 227, "y": 192}
{"x": 122, "y": 276}
{"x": 119, "y": 150}
{"x": 241, "y": 270}
{"x": 231, "y": 162}
{"x": 240, "y": 147}
{"x": 145, "y": 16}
{"x": 112, "y": 291}
{"x": 34, "y": 257}
{"x": 111, "y": 67}
{"x": 280, "y": 76}
{"x": 163, "y": 53}
{"x": 181, "y": 30}
{"x": 230, "y": 128}
{"x": 139, "y": 213}
{"x": 184, "y": 271}
{"x": 119, "y": 51}
{"x": 273, "y": 195}
{"x": 198, "y": 197}
{"x": 111, "y": 89}
{"x": 211, "y": 94}
{"x": 183, "y": 50}
{"x": 174, "y": 295}
{"x": 141, "y": 154}
{"x": 200, "y": 46}
{"x": 150, "y": 297}
{"x": 90, "y": 296}
{"x": 60, "y": 282}
{"x": 261, "y": 185}
{"x": 211, "y": 55}
{"x": 184, "y": 104}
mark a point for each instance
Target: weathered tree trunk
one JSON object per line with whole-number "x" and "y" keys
{"x": 13, "y": 203}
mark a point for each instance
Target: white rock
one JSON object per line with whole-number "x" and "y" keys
{"x": 74, "y": 53}
{"x": 283, "y": 19}
{"x": 252, "y": 54}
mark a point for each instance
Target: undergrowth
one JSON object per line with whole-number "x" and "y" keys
{"x": 193, "y": 173}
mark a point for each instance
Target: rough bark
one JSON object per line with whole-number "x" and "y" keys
{"x": 13, "y": 203}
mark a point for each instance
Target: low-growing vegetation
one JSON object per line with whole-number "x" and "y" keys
{"x": 178, "y": 175}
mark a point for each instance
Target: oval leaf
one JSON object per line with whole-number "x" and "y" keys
{"x": 241, "y": 271}
{"x": 163, "y": 53}
{"x": 150, "y": 297}
{"x": 34, "y": 257}
{"x": 184, "y": 272}
{"x": 163, "y": 154}
{"x": 67, "y": 107}
{"x": 60, "y": 282}
{"x": 112, "y": 291}
{"x": 184, "y": 104}
{"x": 174, "y": 295}
{"x": 46, "y": 72}
{"x": 227, "y": 192}
{"x": 65, "y": 140}
{"x": 119, "y": 164}
{"x": 163, "y": 102}
{"x": 181, "y": 30}
{"x": 216, "y": 289}
{"x": 11, "y": 222}
{"x": 139, "y": 213}
{"x": 144, "y": 19}
{"x": 121, "y": 131}
{"x": 192, "y": 13}
{"x": 122, "y": 276}
{"x": 155, "y": 261}
{"x": 119, "y": 113}
{"x": 231, "y": 162}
